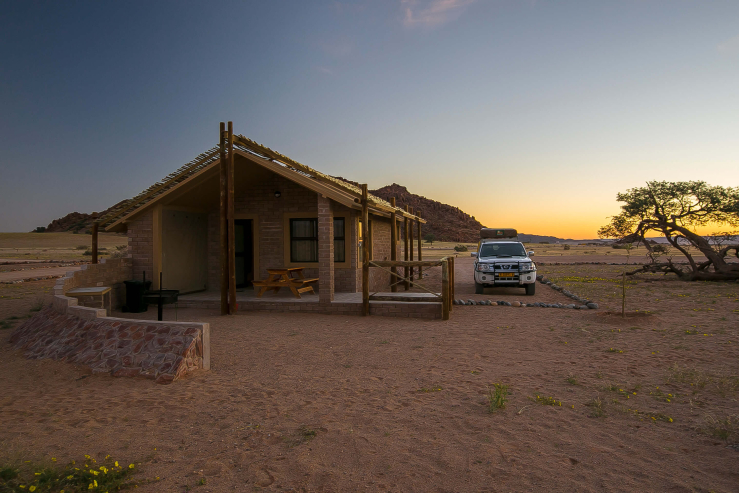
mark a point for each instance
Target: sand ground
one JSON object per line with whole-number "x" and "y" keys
{"x": 331, "y": 403}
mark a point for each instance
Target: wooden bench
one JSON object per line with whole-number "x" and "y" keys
{"x": 283, "y": 278}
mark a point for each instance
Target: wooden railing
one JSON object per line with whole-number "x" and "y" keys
{"x": 445, "y": 296}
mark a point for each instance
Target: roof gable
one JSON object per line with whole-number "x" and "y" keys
{"x": 339, "y": 190}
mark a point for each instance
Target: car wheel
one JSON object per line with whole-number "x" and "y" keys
{"x": 530, "y": 289}
{"x": 479, "y": 288}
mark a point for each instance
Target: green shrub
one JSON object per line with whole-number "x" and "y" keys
{"x": 460, "y": 248}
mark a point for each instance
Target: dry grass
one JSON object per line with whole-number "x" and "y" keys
{"x": 54, "y": 245}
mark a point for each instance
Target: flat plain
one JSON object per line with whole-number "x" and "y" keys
{"x": 597, "y": 402}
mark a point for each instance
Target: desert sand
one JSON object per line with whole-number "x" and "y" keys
{"x": 299, "y": 402}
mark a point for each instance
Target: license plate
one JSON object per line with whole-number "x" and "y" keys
{"x": 505, "y": 274}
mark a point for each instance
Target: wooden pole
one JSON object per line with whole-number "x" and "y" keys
{"x": 451, "y": 284}
{"x": 223, "y": 222}
{"x": 405, "y": 234}
{"x": 95, "y": 242}
{"x": 393, "y": 244}
{"x": 232, "y": 306}
{"x": 410, "y": 231}
{"x": 445, "y": 290}
{"x": 418, "y": 226}
{"x": 365, "y": 252}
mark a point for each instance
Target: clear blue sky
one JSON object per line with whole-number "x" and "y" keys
{"x": 526, "y": 114}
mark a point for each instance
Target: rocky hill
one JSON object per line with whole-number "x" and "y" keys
{"x": 445, "y": 222}
{"x": 75, "y": 222}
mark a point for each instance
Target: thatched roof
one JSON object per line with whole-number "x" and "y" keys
{"x": 212, "y": 158}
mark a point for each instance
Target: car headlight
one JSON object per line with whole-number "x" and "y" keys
{"x": 484, "y": 267}
{"x": 527, "y": 267}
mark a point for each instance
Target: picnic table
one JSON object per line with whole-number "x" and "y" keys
{"x": 291, "y": 277}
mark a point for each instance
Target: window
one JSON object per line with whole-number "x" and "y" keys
{"x": 361, "y": 240}
{"x": 303, "y": 240}
{"x": 339, "y": 240}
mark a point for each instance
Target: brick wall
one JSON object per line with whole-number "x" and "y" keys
{"x": 109, "y": 272}
{"x": 379, "y": 279}
{"x": 325, "y": 250}
{"x": 141, "y": 245}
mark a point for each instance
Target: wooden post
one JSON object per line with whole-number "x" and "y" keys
{"x": 393, "y": 244}
{"x": 410, "y": 231}
{"x": 451, "y": 284}
{"x": 232, "y": 306}
{"x": 95, "y": 227}
{"x": 223, "y": 222}
{"x": 418, "y": 226}
{"x": 405, "y": 234}
{"x": 445, "y": 289}
{"x": 365, "y": 252}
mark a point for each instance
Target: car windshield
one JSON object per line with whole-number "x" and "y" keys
{"x": 502, "y": 250}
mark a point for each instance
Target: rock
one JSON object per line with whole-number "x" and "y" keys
{"x": 516, "y": 304}
{"x": 572, "y": 305}
{"x": 583, "y": 307}
{"x": 592, "y": 306}
{"x": 493, "y": 303}
{"x": 470, "y": 302}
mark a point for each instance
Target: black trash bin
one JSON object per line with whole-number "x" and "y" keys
{"x": 135, "y": 290}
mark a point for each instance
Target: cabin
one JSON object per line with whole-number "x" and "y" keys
{"x": 221, "y": 223}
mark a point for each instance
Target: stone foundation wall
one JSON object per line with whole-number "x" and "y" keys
{"x": 109, "y": 272}
{"x": 386, "y": 309}
{"x": 162, "y": 351}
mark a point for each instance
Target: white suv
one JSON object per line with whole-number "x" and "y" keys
{"x": 504, "y": 262}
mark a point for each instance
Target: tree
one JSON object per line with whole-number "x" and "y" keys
{"x": 674, "y": 210}
{"x": 429, "y": 238}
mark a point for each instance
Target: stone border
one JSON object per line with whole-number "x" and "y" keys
{"x": 584, "y": 303}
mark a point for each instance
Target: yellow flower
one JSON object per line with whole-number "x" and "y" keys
{"x": 32, "y": 488}
{"x": 116, "y": 463}
{"x": 70, "y": 476}
{"x": 130, "y": 466}
{"x": 670, "y": 420}
{"x": 96, "y": 483}
{"x": 87, "y": 456}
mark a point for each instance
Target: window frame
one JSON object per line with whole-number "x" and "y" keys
{"x": 291, "y": 239}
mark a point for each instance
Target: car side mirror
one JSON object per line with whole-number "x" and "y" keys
{"x": 473, "y": 254}
{"x": 531, "y": 254}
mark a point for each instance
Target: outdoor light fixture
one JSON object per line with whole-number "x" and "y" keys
{"x": 277, "y": 195}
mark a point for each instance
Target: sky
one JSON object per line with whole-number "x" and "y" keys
{"x": 526, "y": 114}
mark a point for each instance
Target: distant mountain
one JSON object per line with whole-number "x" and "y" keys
{"x": 76, "y": 222}
{"x": 445, "y": 222}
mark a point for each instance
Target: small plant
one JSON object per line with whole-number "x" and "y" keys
{"x": 85, "y": 475}
{"x": 460, "y": 248}
{"x": 566, "y": 247}
{"x": 596, "y": 406}
{"x": 436, "y": 388}
{"x": 87, "y": 253}
{"x": 497, "y": 397}
{"x": 546, "y": 401}
{"x": 599, "y": 374}
{"x": 614, "y": 350}
{"x": 572, "y": 379}
{"x": 721, "y": 428}
{"x": 81, "y": 247}
{"x": 692, "y": 376}
{"x": 37, "y": 306}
